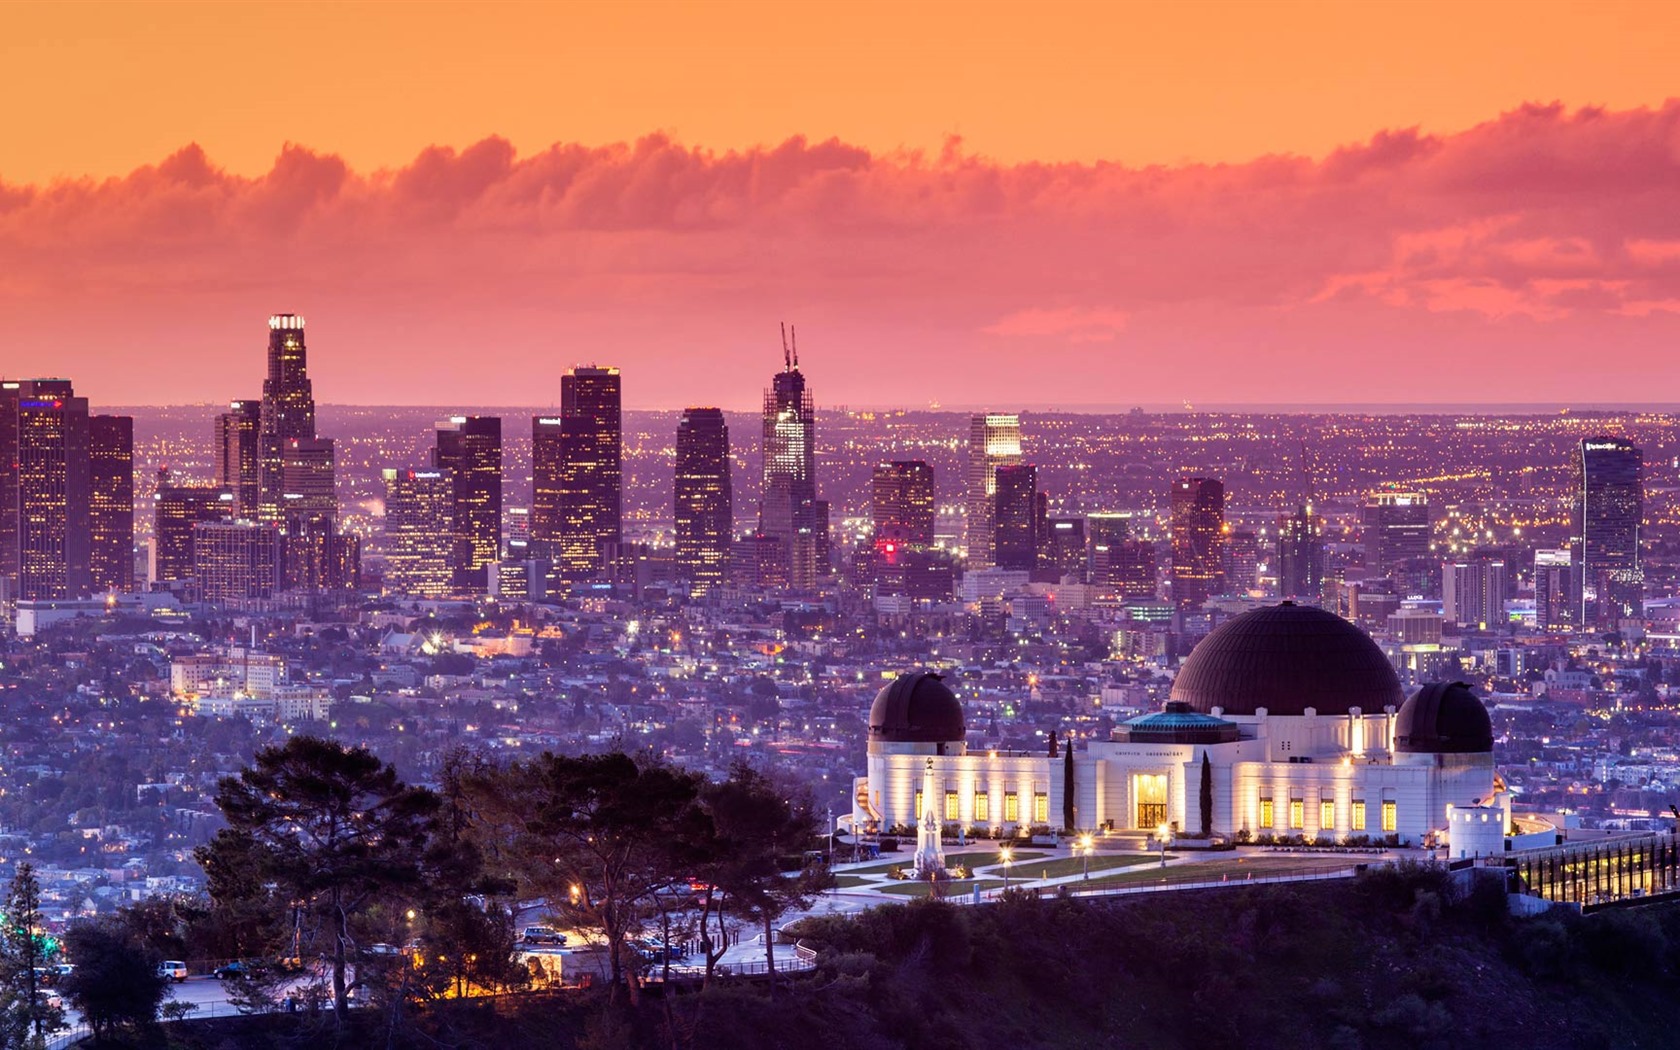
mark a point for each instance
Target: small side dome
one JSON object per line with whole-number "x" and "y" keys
{"x": 1443, "y": 718}
{"x": 916, "y": 708}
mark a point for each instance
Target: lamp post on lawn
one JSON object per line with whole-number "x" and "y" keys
{"x": 1008, "y": 855}
{"x": 1161, "y": 832}
{"x": 1085, "y": 845}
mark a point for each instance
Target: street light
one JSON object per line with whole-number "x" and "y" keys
{"x": 1161, "y": 832}
{"x": 1085, "y": 844}
{"x": 1008, "y": 855}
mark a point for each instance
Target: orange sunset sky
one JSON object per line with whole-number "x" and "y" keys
{"x": 976, "y": 204}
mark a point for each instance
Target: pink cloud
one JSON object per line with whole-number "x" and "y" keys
{"x": 1540, "y": 231}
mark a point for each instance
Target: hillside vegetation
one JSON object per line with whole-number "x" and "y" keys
{"x": 1394, "y": 959}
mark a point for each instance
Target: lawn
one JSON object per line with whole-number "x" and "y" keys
{"x": 958, "y": 889}
{"x": 1074, "y": 865}
{"x": 1216, "y": 870}
{"x": 977, "y": 859}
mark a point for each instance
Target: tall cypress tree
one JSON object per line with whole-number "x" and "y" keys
{"x": 1068, "y": 814}
{"x": 1207, "y": 795}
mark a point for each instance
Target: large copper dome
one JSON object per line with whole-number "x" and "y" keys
{"x": 916, "y": 708}
{"x": 1287, "y": 658}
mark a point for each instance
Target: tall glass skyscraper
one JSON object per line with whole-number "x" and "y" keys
{"x": 237, "y": 455}
{"x": 419, "y": 532}
{"x": 1609, "y": 508}
{"x": 587, "y": 515}
{"x": 44, "y": 489}
{"x": 1300, "y": 556}
{"x": 901, "y": 504}
{"x": 1198, "y": 527}
{"x": 111, "y": 503}
{"x": 994, "y": 440}
{"x": 287, "y": 413}
{"x": 704, "y": 498}
{"x": 469, "y": 450}
{"x": 791, "y": 517}
{"x": 1015, "y": 517}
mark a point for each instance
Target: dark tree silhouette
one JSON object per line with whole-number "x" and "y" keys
{"x": 116, "y": 982}
{"x": 1206, "y": 796}
{"x": 330, "y": 827}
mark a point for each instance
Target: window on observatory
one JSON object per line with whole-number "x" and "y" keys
{"x": 1011, "y": 807}
{"x": 1359, "y": 814}
{"x": 982, "y": 807}
{"x": 1041, "y": 808}
{"x": 952, "y": 810}
{"x": 1297, "y": 813}
{"x": 1266, "y": 815}
{"x": 1326, "y": 814}
{"x": 918, "y": 805}
{"x": 1390, "y": 819}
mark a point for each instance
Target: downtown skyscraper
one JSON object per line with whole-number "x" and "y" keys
{"x": 45, "y": 540}
{"x": 469, "y": 451}
{"x": 901, "y": 505}
{"x": 287, "y": 412}
{"x": 1198, "y": 533}
{"x": 1300, "y": 556}
{"x": 1608, "y": 510}
{"x": 704, "y": 498}
{"x": 420, "y": 533}
{"x": 792, "y": 521}
{"x": 577, "y": 474}
{"x": 1015, "y": 517}
{"x": 111, "y": 504}
{"x": 994, "y": 440}
{"x": 237, "y": 455}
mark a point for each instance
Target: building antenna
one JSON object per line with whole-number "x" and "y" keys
{"x": 787, "y": 362}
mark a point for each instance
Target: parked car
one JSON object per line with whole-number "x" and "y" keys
{"x": 237, "y": 970}
{"x": 174, "y": 969}
{"x": 543, "y": 935}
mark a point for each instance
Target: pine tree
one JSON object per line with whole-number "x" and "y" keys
{"x": 24, "y": 954}
{"x": 1207, "y": 795}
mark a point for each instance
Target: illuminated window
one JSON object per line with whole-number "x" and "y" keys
{"x": 1359, "y": 814}
{"x": 1265, "y": 812}
{"x": 918, "y": 805}
{"x": 1326, "y": 814}
{"x": 1390, "y": 818}
{"x": 952, "y": 812}
{"x": 1297, "y": 813}
{"x": 1011, "y": 807}
{"x": 982, "y": 807}
{"x": 1041, "y": 808}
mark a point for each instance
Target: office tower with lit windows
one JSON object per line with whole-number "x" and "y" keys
{"x": 1473, "y": 591}
{"x": 237, "y": 564}
{"x": 44, "y": 490}
{"x": 1064, "y": 548}
{"x": 1609, "y": 508}
{"x": 1554, "y": 581}
{"x": 287, "y": 412}
{"x": 1396, "y": 531}
{"x": 1300, "y": 556}
{"x": 1104, "y": 533}
{"x": 901, "y": 505}
{"x": 791, "y": 517}
{"x": 1015, "y": 515}
{"x": 176, "y": 511}
{"x": 420, "y": 533}
{"x": 1132, "y": 574}
{"x": 111, "y": 504}
{"x": 1240, "y": 565}
{"x": 578, "y": 473}
{"x": 704, "y": 499}
{"x": 308, "y": 480}
{"x": 237, "y": 455}
{"x": 469, "y": 450}
{"x": 1198, "y": 534}
{"x": 994, "y": 440}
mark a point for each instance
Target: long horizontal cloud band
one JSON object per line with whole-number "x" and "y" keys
{"x": 1542, "y": 216}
